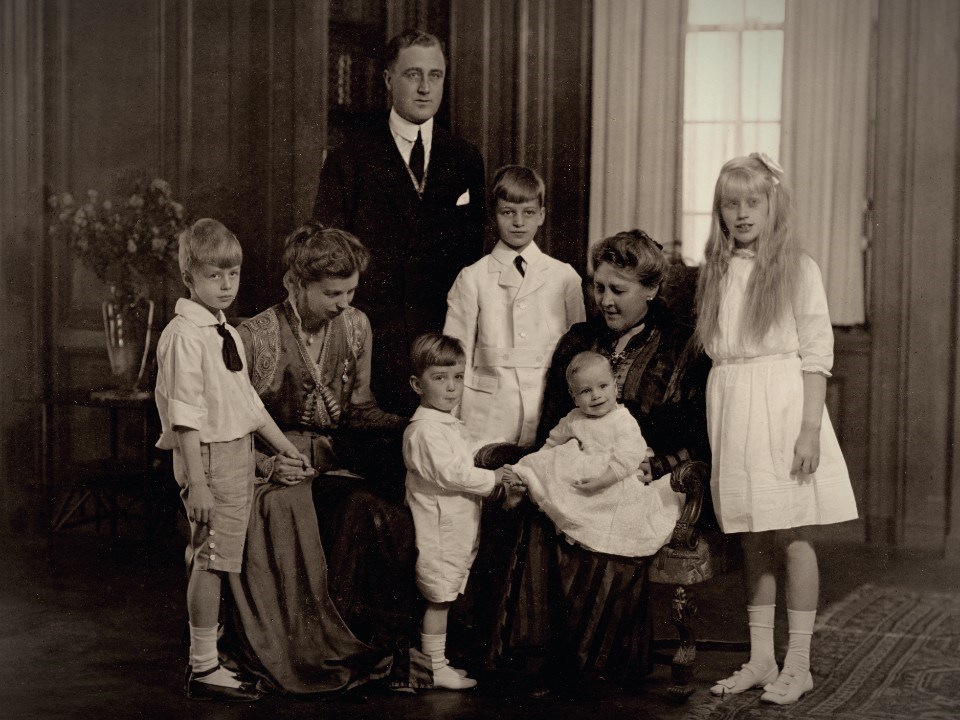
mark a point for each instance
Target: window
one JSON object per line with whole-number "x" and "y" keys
{"x": 731, "y": 99}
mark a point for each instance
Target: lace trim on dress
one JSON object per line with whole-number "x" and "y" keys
{"x": 265, "y": 335}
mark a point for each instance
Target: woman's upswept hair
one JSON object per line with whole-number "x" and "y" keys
{"x": 771, "y": 287}
{"x": 434, "y": 349}
{"x": 633, "y": 251}
{"x": 314, "y": 252}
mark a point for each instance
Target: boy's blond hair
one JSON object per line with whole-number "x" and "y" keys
{"x": 208, "y": 242}
{"x": 517, "y": 184}
{"x": 435, "y": 349}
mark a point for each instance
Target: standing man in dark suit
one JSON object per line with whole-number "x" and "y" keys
{"x": 414, "y": 194}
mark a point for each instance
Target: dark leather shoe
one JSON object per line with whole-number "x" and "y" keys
{"x": 199, "y": 690}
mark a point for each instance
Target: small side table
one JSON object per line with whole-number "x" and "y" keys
{"x": 108, "y": 488}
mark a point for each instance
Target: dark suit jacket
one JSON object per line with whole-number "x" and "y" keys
{"x": 418, "y": 245}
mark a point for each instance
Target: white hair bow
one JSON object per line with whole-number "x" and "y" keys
{"x": 770, "y": 164}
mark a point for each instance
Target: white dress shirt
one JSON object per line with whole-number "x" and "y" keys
{"x": 195, "y": 389}
{"x": 405, "y": 135}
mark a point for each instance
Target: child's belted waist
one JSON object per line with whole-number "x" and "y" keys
{"x": 512, "y": 357}
{"x": 756, "y": 359}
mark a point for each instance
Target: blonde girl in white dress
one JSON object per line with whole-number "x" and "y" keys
{"x": 777, "y": 466}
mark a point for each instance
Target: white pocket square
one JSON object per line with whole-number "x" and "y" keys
{"x": 464, "y": 199}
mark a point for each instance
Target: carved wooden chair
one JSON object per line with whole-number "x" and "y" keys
{"x": 698, "y": 549}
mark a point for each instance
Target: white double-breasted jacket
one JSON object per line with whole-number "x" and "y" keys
{"x": 509, "y": 325}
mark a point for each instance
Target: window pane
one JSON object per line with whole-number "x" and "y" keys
{"x": 760, "y": 137}
{"x": 711, "y": 76}
{"x": 765, "y": 11}
{"x": 705, "y": 148}
{"x": 714, "y": 12}
{"x": 762, "y": 73}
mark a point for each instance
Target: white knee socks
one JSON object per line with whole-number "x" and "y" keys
{"x": 800, "y": 624}
{"x": 435, "y": 646}
{"x": 204, "y": 656}
{"x": 760, "y": 620}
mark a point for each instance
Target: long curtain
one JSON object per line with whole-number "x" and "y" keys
{"x": 637, "y": 86}
{"x": 824, "y": 141}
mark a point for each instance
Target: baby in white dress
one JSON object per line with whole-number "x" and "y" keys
{"x": 585, "y": 476}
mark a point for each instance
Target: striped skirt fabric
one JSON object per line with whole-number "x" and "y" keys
{"x": 587, "y": 613}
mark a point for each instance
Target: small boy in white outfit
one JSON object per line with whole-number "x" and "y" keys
{"x": 585, "y": 476}
{"x": 208, "y": 414}
{"x": 444, "y": 491}
{"x": 509, "y": 309}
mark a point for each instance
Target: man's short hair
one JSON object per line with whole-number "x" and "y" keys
{"x": 435, "y": 349}
{"x": 583, "y": 360}
{"x": 517, "y": 184}
{"x": 208, "y": 242}
{"x": 313, "y": 252}
{"x": 409, "y": 38}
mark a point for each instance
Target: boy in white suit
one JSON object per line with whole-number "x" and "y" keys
{"x": 444, "y": 492}
{"x": 509, "y": 309}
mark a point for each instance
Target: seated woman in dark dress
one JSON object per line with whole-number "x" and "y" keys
{"x": 325, "y": 599}
{"x": 585, "y": 610}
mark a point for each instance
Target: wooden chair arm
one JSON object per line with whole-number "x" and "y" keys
{"x": 689, "y": 477}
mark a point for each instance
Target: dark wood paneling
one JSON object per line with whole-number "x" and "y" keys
{"x": 914, "y": 279}
{"x": 22, "y": 274}
{"x": 520, "y": 90}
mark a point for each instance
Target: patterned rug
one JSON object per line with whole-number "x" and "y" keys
{"x": 881, "y": 653}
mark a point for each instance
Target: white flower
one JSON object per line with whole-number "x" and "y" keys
{"x": 135, "y": 201}
{"x": 131, "y": 246}
{"x": 107, "y": 206}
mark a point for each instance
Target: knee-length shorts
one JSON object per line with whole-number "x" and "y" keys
{"x": 229, "y": 468}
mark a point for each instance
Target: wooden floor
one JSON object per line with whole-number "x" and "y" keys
{"x": 93, "y": 628}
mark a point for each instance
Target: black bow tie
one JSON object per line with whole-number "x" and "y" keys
{"x": 231, "y": 356}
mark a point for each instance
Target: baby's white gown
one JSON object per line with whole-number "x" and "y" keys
{"x": 754, "y": 411}
{"x": 627, "y": 518}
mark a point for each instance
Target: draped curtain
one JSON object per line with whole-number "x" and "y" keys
{"x": 824, "y": 139}
{"x": 637, "y": 129}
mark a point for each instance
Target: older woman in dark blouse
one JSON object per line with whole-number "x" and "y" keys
{"x": 588, "y": 610}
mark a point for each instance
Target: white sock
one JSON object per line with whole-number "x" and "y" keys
{"x": 800, "y": 624}
{"x": 435, "y": 646}
{"x": 760, "y": 620}
{"x": 203, "y": 648}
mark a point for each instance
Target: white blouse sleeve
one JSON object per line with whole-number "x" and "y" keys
{"x": 629, "y": 447}
{"x": 431, "y": 451}
{"x": 813, "y": 320}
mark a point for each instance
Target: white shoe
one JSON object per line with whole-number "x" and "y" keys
{"x": 789, "y": 687}
{"x": 446, "y": 678}
{"x": 746, "y": 678}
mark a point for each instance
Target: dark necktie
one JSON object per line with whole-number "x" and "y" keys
{"x": 231, "y": 356}
{"x": 417, "y": 158}
{"x": 518, "y": 261}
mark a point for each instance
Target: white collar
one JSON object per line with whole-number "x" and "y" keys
{"x": 505, "y": 254}
{"x": 428, "y": 413}
{"x": 408, "y": 130}
{"x": 198, "y": 314}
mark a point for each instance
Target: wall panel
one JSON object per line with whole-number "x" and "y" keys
{"x": 520, "y": 91}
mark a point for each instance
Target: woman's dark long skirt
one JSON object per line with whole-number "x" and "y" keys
{"x": 324, "y": 601}
{"x": 587, "y": 613}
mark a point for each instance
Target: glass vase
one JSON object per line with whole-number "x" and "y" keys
{"x": 128, "y": 326}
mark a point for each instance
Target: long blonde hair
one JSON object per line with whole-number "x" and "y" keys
{"x": 772, "y": 284}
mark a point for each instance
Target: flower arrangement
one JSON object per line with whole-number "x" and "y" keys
{"x": 126, "y": 245}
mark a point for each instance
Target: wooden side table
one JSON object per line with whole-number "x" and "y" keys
{"x": 106, "y": 489}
